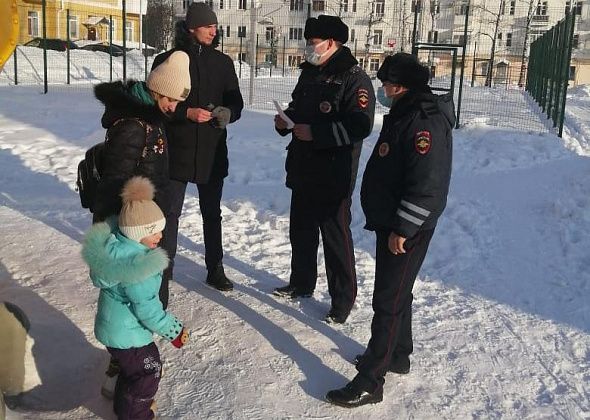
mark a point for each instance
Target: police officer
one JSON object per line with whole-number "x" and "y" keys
{"x": 403, "y": 193}
{"x": 333, "y": 107}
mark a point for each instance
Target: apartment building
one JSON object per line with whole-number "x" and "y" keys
{"x": 382, "y": 27}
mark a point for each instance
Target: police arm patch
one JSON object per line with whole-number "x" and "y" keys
{"x": 423, "y": 142}
{"x": 363, "y": 98}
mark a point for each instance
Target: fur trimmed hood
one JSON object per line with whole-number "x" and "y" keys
{"x": 119, "y": 103}
{"x": 114, "y": 259}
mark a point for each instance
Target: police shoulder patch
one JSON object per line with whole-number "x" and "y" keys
{"x": 363, "y": 97}
{"x": 423, "y": 141}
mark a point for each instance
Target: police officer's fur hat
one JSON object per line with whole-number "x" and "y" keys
{"x": 326, "y": 27}
{"x": 403, "y": 69}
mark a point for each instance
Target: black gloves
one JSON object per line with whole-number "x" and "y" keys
{"x": 221, "y": 116}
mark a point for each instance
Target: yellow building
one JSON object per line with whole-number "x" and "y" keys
{"x": 88, "y": 20}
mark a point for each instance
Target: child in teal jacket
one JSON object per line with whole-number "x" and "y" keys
{"x": 126, "y": 264}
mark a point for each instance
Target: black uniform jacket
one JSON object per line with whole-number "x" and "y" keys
{"x": 135, "y": 145}
{"x": 198, "y": 152}
{"x": 338, "y": 102}
{"x": 406, "y": 181}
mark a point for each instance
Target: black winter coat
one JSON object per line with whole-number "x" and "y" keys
{"x": 406, "y": 181}
{"x": 198, "y": 152}
{"x": 135, "y": 145}
{"x": 338, "y": 102}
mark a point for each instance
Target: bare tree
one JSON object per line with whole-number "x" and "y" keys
{"x": 159, "y": 23}
{"x": 525, "y": 45}
{"x": 497, "y": 19}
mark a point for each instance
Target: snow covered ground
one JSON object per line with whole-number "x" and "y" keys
{"x": 502, "y": 304}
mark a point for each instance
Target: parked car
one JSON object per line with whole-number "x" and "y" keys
{"x": 104, "y": 48}
{"x": 51, "y": 44}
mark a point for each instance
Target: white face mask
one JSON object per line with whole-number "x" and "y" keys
{"x": 312, "y": 56}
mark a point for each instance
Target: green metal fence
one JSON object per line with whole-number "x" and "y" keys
{"x": 549, "y": 67}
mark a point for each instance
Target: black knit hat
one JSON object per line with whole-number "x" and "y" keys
{"x": 403, "y": 69}
{"x": 325, "y": 27}
{"x": 200, "y": 14}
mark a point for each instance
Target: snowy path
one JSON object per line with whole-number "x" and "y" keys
{"x": 502, "y": 319}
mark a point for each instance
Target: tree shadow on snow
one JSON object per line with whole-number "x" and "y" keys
{"x": 319, "y": 377}
{"x": 70, "y": 369}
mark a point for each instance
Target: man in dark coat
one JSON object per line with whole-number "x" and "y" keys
{"x": 197, "y": 136}
{"x": 404, "y": 191}
{"x": 333, "y": 107}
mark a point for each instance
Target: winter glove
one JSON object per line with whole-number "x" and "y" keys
{"x": 221, "y": 116}
{"x": 182, "y": 338}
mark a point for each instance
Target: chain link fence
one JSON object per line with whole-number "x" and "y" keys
{"x": 87, "y": 44}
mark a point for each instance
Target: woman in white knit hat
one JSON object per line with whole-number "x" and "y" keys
{"x": 135, "y": 139}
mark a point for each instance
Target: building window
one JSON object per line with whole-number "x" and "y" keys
{"x": 185, "y": 4}
{"x": 241, "y": 32}
{"x": 354, "y": 6}
{"x": 73, "y": 27}
{"x": 458, "y": 39}
{"x": 241, "y": 57}
{"x": 512, "y": 7}
{"x": 434, "y": 8}
{"x": 296, "y": 5}
{"x": 374, "y": 64}
{"x": 129, "y": 31}
{"x": 352, "y": 34}
{"x": 509, "y": 39}
{"x": 576, "y": 41}
{"x": 361, "y": 62}
{"x": 377, "y": 37}
{"x": 33, "y": 23}
{"x": 379, "y": 7}
{"x": 269, "y": 33}
{"x": 242, "y": 4}
{"x": 461, "y": 10}
{"x": 344, "y": 5}
{"x": 433, "y": 36}
{"x": 318, "y": 5}
{"x": 541, "y": 8}
{"x": 114, "y": 28}
{"x": 294, "y": 60}
{"x": 572, "y": 75}
{"x": 296, "y": 33}
{"x": 227, "y": 31}
{"x": 221, "y": 4}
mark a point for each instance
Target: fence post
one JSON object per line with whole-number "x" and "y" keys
{"x": 68, "y": 46}
{"x": 145, "y": 48}
{"x": 460, "y": 96}
{"x": 240, "y": 56}
{"x": 284, "y": 53}
{"x": 124, "y": 18}
{"x": 15, "y": 66}
{"x": 43, "y": 11}
{"x": 111, "y": 47}
{"x": 256, "y": 58}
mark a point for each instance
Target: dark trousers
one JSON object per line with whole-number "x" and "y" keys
{"x": 391, "y": 329}
{"x": 210, "y": 205}
{"x": 309, "y": 218}
{"x": 139, "y": 377}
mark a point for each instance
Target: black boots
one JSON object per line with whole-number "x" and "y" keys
{"x": 216, "y": 278}
{"x": 352, "y": 396}
{"x": 336, "y": 317}
{"x": 290, "y": 292}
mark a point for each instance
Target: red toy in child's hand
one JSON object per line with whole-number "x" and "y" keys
{"x": 182, "y": 338}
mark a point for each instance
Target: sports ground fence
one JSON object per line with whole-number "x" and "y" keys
{"x": 467, "y": 48}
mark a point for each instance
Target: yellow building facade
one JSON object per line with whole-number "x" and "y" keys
{"x": 88, "y": 20}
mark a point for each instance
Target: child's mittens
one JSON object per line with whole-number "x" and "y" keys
{"x": 182, "y": 338}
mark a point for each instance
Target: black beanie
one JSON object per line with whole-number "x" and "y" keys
{"x": 403, "y": 69}
{"x": 200, "y": 14}
{"x": 325, "y": 27}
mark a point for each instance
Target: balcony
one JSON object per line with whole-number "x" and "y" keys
{"x": 540, "y": 19}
